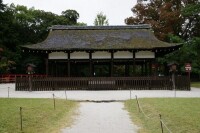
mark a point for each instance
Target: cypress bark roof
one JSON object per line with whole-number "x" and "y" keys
{"x": 100, "y": 38}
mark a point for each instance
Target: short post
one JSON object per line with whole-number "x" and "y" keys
{"x": 21, "y": 118}
{"x": 8, "y": 92}
{"x": 30, "y": 83}
{"x": 189, "y": 80}
{"x": 30, "y": 70}
{"x": 173, "y": 69}
{"x": 188, "y": 69}
{"x": 137, "y": 103}
{"x": 54, "y": 102}
{"x": 161, "y": 123}
{"x": 173, "y": 81}
{"x": 130, "y": 94}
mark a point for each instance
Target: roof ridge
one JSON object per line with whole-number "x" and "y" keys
{"x": 113, "y": 27}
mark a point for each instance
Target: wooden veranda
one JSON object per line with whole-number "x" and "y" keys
{"x": 101, "y": 83}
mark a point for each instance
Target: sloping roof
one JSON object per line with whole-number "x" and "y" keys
{"x": 100, "y": 38}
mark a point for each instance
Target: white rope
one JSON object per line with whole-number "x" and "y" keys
{"x": 153, "y": 117}
{"x": 143, "y": 111}
{"x": 166, "y": 126}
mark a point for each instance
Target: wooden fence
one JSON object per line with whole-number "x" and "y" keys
{"x": 100, "y": 83}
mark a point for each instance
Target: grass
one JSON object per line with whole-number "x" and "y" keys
{"x": 195, "y": 84}
{"x": 39, "y": 115}
{"x": 181, "y": 115}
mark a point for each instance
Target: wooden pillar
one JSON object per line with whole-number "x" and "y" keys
{"x": 47, "y": 65}
{"x": 126, "y": 70}
{"x": 150, "y": 67}
{"x": 142, "y": 70}
{"x": 145, "y": 68}
{"x": 111, "y": 64}
{"x": 91, "y": 64}
{"x": 68, "y": 65}
{"x": 134, "y": 66}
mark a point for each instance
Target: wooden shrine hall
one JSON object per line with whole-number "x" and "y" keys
{"x": 100, "y": 58}
{"x": 100, "y": 51}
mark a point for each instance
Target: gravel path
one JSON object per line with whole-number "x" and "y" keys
{"x": 102, "y": 118}
{"x": 96, "y": 95}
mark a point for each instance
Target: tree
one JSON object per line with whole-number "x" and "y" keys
{"x": 81, "y": 24}
{"x": 21, "y": 25}
{"x": 71, "y": 16}
{"x": 191, "y": 26}
{"x": 180, "y": 18}
{"x": 2, "y": 6}
{"x": 163, "y": 15}
{"x": 176, "y": 22}
{"x": 101, "y": 20}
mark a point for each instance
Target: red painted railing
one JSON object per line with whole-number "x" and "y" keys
{"x": 11, "y": 78}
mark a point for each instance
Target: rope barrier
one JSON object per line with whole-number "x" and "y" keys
{"x": 141, "y": 109}
{"x": 166, "y": 126}
{"x": 148, "y": 116}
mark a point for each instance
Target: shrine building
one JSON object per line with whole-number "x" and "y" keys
{"x": 100, "y": 51}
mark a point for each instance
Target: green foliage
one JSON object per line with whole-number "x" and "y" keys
{"x": 191, "y": 10}
{"x": 174, "y": 39}
{"x": 6, "y": 66}
{"x": 2, "y": 6}
{"x": 21, "y": 25}
{"x": 188, "y": 53}
{"x": 101, "y": 20}
{"x": 175, "y": 22}
{"x": 71, "y": 16}
{"x": 81, "y": 24}
{"x": 192, "y": 24}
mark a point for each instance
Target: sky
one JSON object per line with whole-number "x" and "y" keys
{"x": 115, "y": 10}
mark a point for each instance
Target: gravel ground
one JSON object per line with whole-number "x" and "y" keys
{"x": 102, "y": 118}
{"x": 95, "y": 95}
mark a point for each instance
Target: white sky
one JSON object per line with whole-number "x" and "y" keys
{"x": 115, "y": 10}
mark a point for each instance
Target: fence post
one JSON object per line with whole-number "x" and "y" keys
{"x": 21, "y": 118}
{"x": 130, "y": 94}
{"x": 137, "y": 103}
{"x": 161, "y": 123}
{"x": 54, "y": 102}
